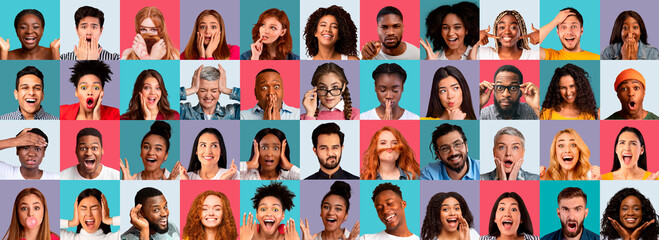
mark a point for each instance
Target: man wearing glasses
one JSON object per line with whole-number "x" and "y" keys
{"x": 508, "y": 87}
{"x": 449, "y": 144}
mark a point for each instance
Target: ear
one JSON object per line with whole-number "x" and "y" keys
{"x": 166, "y": 155}
{"x": 404, "y": 204}
{"x": 558, "y": 212}
{"x": 342, "y": 148}
{"x": 102, "y": 152}
{"x": 586, "y": 213}
{"x": 283, "y": 32}
{"x": 642, "y": 150}
{"x": 15, "y": 94}
{"x": 76, "y": 92}
{"x": 101, "y": 32}
{"x": 314, "y": 151}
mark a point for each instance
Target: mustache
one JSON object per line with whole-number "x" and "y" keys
{"x": 397, "y": 148}
{"x": 150, "y": 40}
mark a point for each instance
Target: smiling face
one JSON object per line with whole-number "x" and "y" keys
{"x": 449, "y": 214}
{"x": 390, "y": 30}
{"x": 148, "y": 27}
{"x": 89, "y": 152}
{"x": 508, "y": 31}
{"x": 89, "y": 27}
{"x": 211, "y": 214}
{"x": 329, "y": 150}
{"x": 88, "y": 90}
{"x": 391, "y": 209}
{"x": 568, "y": 89}
{"x": 154, "y": 152}
{"x": 453, "y": 159}
{"x": 569, "y": 32}
{"x": 629, "y": 149}
{"x": 29, "y": 94}
{"x": 331, "y": 83}
{"x": 269, "y": 152}
{"x": 208, "y": 94}
{"x": 327, "y": 31}
{"x": 152, "y": 92}
{"x": 208, "y": 25}
{"x": 631, "y": 213}
{"x": 269, "y": 85}
{"x": 386, "y": 147}
{"x": 156, "y": 212}
{"x": 208, "y": 150}
{"x": 567, "y": 151}
{"x": 30, "y": 206}
{"x": 453, "y": 31}
{"x": 631, "y": 94}
{"x": 29, "y": 31}
{"x": 509, "y": 150}
{"x": 89, "y": 214}
{"x": 333, "y": 212}
{"x": 631, "y": 26}
{"x": 389, "y": 87}
{"x": 572, "y": 212}
{"x": 269, "y": 213}
{"x": 507, "y": 99}
{"x": 30, "y": 156}
{"x": 508, "y": 217}
{"x": 271, "y": 29}
{"x": 450, "y": 93}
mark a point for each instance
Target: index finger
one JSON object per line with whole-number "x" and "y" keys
{"x": 492, "y": 36}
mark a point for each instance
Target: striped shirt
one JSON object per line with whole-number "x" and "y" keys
{"x": 526, "y": 237}
{"x": 104, "y": 55}
{"x": 17, "y": 115}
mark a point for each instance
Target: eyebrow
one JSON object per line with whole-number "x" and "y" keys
{"x": 450, "y": 85}
{"x": 338, "y": 204}
{"x": 25, "y": 84}
{"x": 276, "y": 204}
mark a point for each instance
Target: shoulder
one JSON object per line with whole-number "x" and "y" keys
{"x": 246, "y": 55}
{"x": 487, "y": 53}
{"x": 68, "y": 112}
{"x": 369, "y": 115}
{"x": 611, "y": 51}
{"x": 651, "y": 116}
{"x": 407, "y": 115}
{"x": 109, "y": 113}
{"x": 69, "y": 173}
{"x": 292, "y": 56}
{"x": 532, "y": 54}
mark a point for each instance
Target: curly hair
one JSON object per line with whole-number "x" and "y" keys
{"x": 525, "y": 226}
{"x": 406, "y": 161}
{"x": 642, "y": 160}
{"x": 86, "y": 67}
{"x": 613, "y": 211}
{"x": 347, "y": 39}
{"x": 384, "y": 187}
{"x": 159, "y": 21}
{"x": 325, "y": 69}
{"x": 468, "y": 14}
{"x": 620, "y": 20}
{"x": 580, "y": 169}
{"x": 521, "y": 43}
{"x": 284, "y": 43}
{"x": 585, "y": 100}
{"x": 221, "y": 52}
{"x": 195, "y": 230}
{"x": 277, "y": 190}
{"x": 435, "y": 107}
{"x": 432, "y": 225}
{"x": 135, "y": 111}
{"x": 16, "y": 230}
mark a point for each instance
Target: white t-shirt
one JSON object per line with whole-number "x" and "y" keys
{"x": 346, "y": 234}
{"x": 253, "y": 174}
{"x": 473, "y": 235}
{"x": 411, "y": 53}
{"x": 373, "y": 115}
{"x": 386, "y": 236}
{"x": 9, "y": 172}
{"x": 83, "y": 235}
{"x": 464, "y": 56}
{"x": 106, "y": 174}
{"x": 195, "y": 176}
{"x": 489, "y": 53}
{"x": 165, "y": 175}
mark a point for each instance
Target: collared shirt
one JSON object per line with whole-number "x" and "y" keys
{"x": 17, "y": 115}
{"x": 229, "y": 112}
{"x": 521, "y": 175}
{"x": 437, "y": 171}
{"x": 103, "y": 55}
{"x": 403, "y": 175}
{"x": 645, "y": 52}
{"x": 256, "y": 113}
{"x": 524, "y": 111}
{"x": 339, "y": 174}
{"x": 558, "y": 235}
{"x": 134, "y": 234}
{"x": 339, "y": 106}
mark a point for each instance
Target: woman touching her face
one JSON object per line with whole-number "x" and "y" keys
{"x": 29, "y": 218}
{"x": 269, "y": 159}
{"x": 448, "y": 217}
{"x": 149, "y": 99}
{"x": 629, "y": 215}
{"x": 272, "y": 38}
{"x": 330, "y": 34}
{"x": 151, "y": 41}
{"x": 210, "y": 217}
{"x": 154, "y": 152}
{"x": 510, "y": 36}
{"x": 389, "y": 157}
{"x": 208, "y": 40}
{"x": 91, "y": 216}
{"x": 450, "y": 98}
{"x": 329, "y": 99}
{"x": 629, "y": 39}
{"x": 29, "y": 25}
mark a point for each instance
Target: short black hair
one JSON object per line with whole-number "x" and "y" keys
{"x": 87, "y": 11}
{"x": 146, "y": 193}
{"x": 36, "y": 131}
{"x": 512, "y": 69}
{"x": 276, "y": 190}
{"x": 267, "y": 70}
{"x": 94, "y": 67}
{"x": 384, "y": 187}
{"x": 27, "y": 71}
{"x": 389, "y": 10}
{"x": 89, "y": 132}
{"x": 26, "y": 12}
{"x": 442, "y": 130}
{"x": 389, "y": 68}
{"x": 326, "y": 128}
{"x": 576, "y": 14}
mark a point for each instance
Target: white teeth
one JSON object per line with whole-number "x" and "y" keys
{"x": 626, "y": 155}
{"x": 31, "y": 100}
{"x": 390, "y": 217}
{"x": 506, "y": 38}
{"x": 269, "y": 221}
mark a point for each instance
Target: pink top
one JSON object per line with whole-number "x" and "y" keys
{"x": 332, "y": 115}
{"x": 234, "y": 53}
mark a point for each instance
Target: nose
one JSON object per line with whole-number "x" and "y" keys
{"x": 505, "y": 92}
{"x": 449, "y": 94}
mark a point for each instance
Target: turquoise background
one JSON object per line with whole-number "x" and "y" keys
{"x": 549, "y": 191}
{"x": 469, "y": 127}
{"x": 130, "y": 69}
{"x": 248, "y": 189}
{"x": 589, "y": 9}
{"x": 370, "y": 222}
{"x": 547, "y": 69}
{"x": 248, "y": 130}
{"x": 250, "y": 12}
{"x": 131, "y": 143}
{"x": 409, "y": 99}
{"x": 48, "y": 8}
{"x": 428, "y": 6}
{"x": 50, "y": 70}
{"x": 69, "y": 191}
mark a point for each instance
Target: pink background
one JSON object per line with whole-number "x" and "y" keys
{"x": 290, "y": 74}
{"x": 609, "y": 129}
{"x": 530, "y": 71}
{"x": 191, "y": 188}
{"x": 109, "y": 131}
{"x": 169, "y": 9}
{"x": 409, "y": 129}
{"x": 528, "y": 190}
{"x": 369, "y": 28}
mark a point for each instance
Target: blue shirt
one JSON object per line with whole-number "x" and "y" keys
{"x": 256, "y": 113}
{"x": 229, "y": 112}
{"x": 558, "y": 235}
{"x": 645, "y": 52}
{"x": 437, "y": 171}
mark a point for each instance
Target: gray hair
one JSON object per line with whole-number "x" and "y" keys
{"x": 209, "y": 73}
{"x": 509, "y": 131}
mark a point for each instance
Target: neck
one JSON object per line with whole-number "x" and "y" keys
{"x": 449, "y": 235}
{"x": 333, "y": 235}
{"x": 269, "y": 175}
{"x": 507, "y": 237}
{"x": 272, "y": 50}
{"x": 630, "y": 173}
{"x": 208, "y": 172}
{"x": 91, "y": 175}
{"x": 29, "y": 53}
{"x": 458, "y": 175}
{"x": 388, "y": 169}
{"x": 158, "y": 174}
{"x": 31, "y": 173}
{"x": 576, "y": 49}
{"x": 27, "y": 115}
{"x": 455, "y": 53}
{"x": 31, "y": 234}
{"x": 639, "y": 115}
{"x": 569, "y": 174}
{"x": 570, "y": 106}
{"x": 400, "y": 231}
{"x": 325, "y": 53}
{"x": 209, "y": 111}
{"x": 395, "y": 51}
{"x": 578, "y": 237}
{"x": 509, "y": 52}
{"x": 84, "y": 115}
{"x": 211, "y": 233}
{"x": 329, "y": 171}
{"x": 154, "y": 111}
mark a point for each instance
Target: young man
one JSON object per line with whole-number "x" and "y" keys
{"x": 29, "y": 93}
{"x": 508, "y": 153}
{"x": 391, "y": 45}
{"x": 149, "y": 217}
{"x": 572, "y": 211}
{"x": 630, "y": 86}
{"x": 449, "y": 143}
{"x": 327, "y": 141}
{"x": 89, "y": 78}
{"x": 269, "y": 92}
{"x": 30, "y": 146}
{"x": 388, "y": 201}
{"x": 508, "y": 88}
{"x": 89, "y": 150}
{"x": 89, "y": 26}
{"x": 208, "y": 83}
{"x": 569, "y": 26}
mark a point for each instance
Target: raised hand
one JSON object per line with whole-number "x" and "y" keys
{"x": 229, "y": 173}
{"x": 272, "y": 109}
{"x": 254, "y": 162}
{"x": 96, "y": 113}
{"x": 532, "y": 96}
{"x": 388, "y": 110}
{"x": 284, "y": 163}
{"x": 629, "y": 50}
{"x": 94, "y": 51}
{"x": 371, "y": 49}
{"x": 463, "y": 228}
{"x": 200, "y": 45}
{"x": 306, "y": 234}
{"x": 310, "y": 102}
{"x": 430, "y": 53}
{"x": 515, "y": 171}
{"x": 257, "y": 49}
{"x": 248, "y": 228}
{"x": 456, "y": 114}
{"x": 4, "y": 48}
{"x": 291, "y": 232}
{"x": 158, "y": 50}
{"x": 595, "y": 173}
{"x": 139, "y": 47}
{"x": 223, "y": 81}
{"x": 534, "y": 37}
{"x": 137, "y": 220}
{"x": 194, "y": 85}
{"x": 354, "y": 233}
{"x": 178, "y": 171}
{"x": 75, "y": 221}
{"x": 215, "y": 41}
{"x": 653, "y": 176}
{"x": 636, "y": 234}
{"x": 500, "y": 171}
{"x": 105, "y": 211}
{"x": 485, "y": 92}
{"x": 81, "y": 51}
{"x": 26, "y": 138}
{"x": 125, "y": 169}
{"x": 54, "y": 49}
{"x": 543, "y": 173}
{"x": 483, "y": 36}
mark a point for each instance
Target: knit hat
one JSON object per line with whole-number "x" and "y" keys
{"x": 628, "y": 74}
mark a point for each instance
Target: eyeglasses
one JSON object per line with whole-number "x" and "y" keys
{"x": 502, "y": 88}
{"x": 444, "y": 149}
{"x": 334, "y": 91}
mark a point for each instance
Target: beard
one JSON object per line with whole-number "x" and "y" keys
{"x": 458, "y": 168}
{"x": 509, "y": 113}
{"x": 569, "y": 234}
{"x": 326, "y": 164}
{"x": 156, "y": 227}
{"x": 394, "y": 46}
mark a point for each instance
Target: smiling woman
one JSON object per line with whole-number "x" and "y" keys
{"x": 209, "y": 157}
{"x": 154, "y": 152}
{"x": 29, "y": 25}
{"x": 210, "y": 217}
{"x": 510, "y": 36}
{"x": 272, "y": 38}
{"x": 330, "y": 34}
{"x": 149, "y": 100}
{"x": 629, "y": 215}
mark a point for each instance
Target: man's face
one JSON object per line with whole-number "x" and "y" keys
{"x": 269, "y": 87}
{"x": 454, "y": 158}
{"x": 509, "y": 150}
{"x": 29, "y": 94}
{"x": 390, "y": 30}
{"x": 506, "y": 92}
{"x": 569, "y": 32}
{"x": 631, "y": 93}
{"x": 572, "y": 212}
{"x": 155, "y": 211}
{"x": 329, "y": 150}
{"x": 89, "y": 27}
{"x": 89, "y": 152}
{"x": 390, "y": 208}
{"x": 30, "y": 156}
{"x": 209, "y": 94}
{"x": 88, "y": 91}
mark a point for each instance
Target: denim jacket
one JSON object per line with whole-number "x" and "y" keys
{"x": 229, "y": 112}
{"x": 645, "y": 52}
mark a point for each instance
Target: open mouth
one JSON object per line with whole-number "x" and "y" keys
{"x": 30, "y": 39}
{"x": 390, "y": 218}
{"x": 626, "y": 158}
{"x": 452, "y": 222}
{"x": 31, "y": 100}
{"x": 453, "y": 40}
{"x": 507, "y": 224}
{"x": 151, "y": 100}
{"x": 568, "y": 159}
{"x": 264, "y": 37}
{"x": 151, "y": 160}
{"x": 506, "y": 39}
{"x": 330, "y": 220}
{"x": 208, "y": 100}
{"x": 632, "y": 104}
{"x": 570, "y": 40}
{"x": 269, "y": 161}
{"x": 508, "y": 163}
{"x": 631, "y": 220}
{"x": 269, "y": 223}
{"x": 163, "y": 223}
{"x": 328, "y": 36}
{"x": 211, "y": 219}
{"x": 572, "y": 226}
{"x": 455, "y": 158}
{"x": 209, "y": 158}
{"x": 89, "y": 163}
{"x": 89, "y": 223}
{"x": 90, "y": 102}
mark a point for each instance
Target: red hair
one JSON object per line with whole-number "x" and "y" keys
{"x": 406, "y": 160}
{"x": 284, "y": 43}
{"x": 221, "y": 52}
{"x": 193, "y": 228}
{"x": 159, "y": 20}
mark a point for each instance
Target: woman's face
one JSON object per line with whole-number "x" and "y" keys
{"x": 386, "y": 147}
{"x": 333, "y": 212}
{"x": 271, "y": 29}
{"x": 88, "y": 91}
{"x": 89, "y": 214}
{"x": 508, "y": 216}
{"x": 509, "y": 150}
{"x": 269, "y": 152}
{"x": 208, "y": 25}
{"x": 629, "y": 149}
{"x": 568, "y": 89}
{"x": 508, "y": 31}
{"x": 29, "y": 31}
{"x": 327, "y": 30}
{"x": 449, "y": 214}
{"x": 208, "y": 150}
{"x": 148, "y": 27}
{"x": 154, "y": 152}
{"x": 269, "y": 213}
{"x": 453, "y": 31}
{"x": 631, "y": 213}
{"x": 450, "y": 93}
{"x": 389, "y": 88}
{"x": 152, "y": 92}
{"x": 211, "y": 213}
{"x": 330, "y": 84}
{"x": 567, "y": 151}
{"x": 30, "y": 206}
{"x": 630, "y": 26}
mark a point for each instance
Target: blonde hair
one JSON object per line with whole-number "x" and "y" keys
{"x": 159, "y": 20}
{"x": 521, "y": 43}
{"x": 554, "y": 171}
{"x": 221, "y": 52}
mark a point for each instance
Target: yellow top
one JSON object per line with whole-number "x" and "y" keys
{"x": 550, "y": 114}
{"x": 609, "y": 176}
{"x": 551, "y": 54}
{"x": 429, "y": 118}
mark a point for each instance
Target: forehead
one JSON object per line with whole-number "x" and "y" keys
{"x": 572, "y": 202}
{"x": 388, "y": 79}
{"x": 449, "y": 138}
{"x": 88, "y": 139}
{"x": 147, "y": 22}
{"x": 506, "y": 77}
{"x": 270, "y": 138}
{"x": 387, "y": 194}
{"x": 89, "y": 201}
{"x": 151, "y": 81}
{"x": 630, "y": 20}
{"x": 450, "y": 201}
{"x": 329, "y": 139}
{"x": 212, "y": 200}
{"x": 448, "y": 81}
{"x": 386, "y": 135}
{"x": 30, "y": 18}
{"x": 90, "y": 78}
{"x": 566, "y": 80}
{"x": 507, "y": 19}
{"x": 271, "y": 21}
{"x": 508, "y": 201}
{"x": 209, "y": 19}
{"x": 631, "y": 82}
{"x": 268, "y": 77}
{"x": 154, "y": 139}
{"x": 29, "y": 199}
{"x": 157, "y": 200}
{"x": 90, "y": 20}
{"x": 571, "y": 20}
{"x": 334, "y": 199}
{"x": 29, "y": 79}
{"x": 628, "y": 136}
{"x": 329, "y": 79}
{"x": 208, "y": 84}
{"x": 208, "y": 137}
{"x": 565, "y": 136}
{"x": 631, "y": 200}
{"x": 390, "y": 19}
{"x": 508, "y": 139}
{"x": 328, "y": 18}
{"x": 452, "y": 18}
